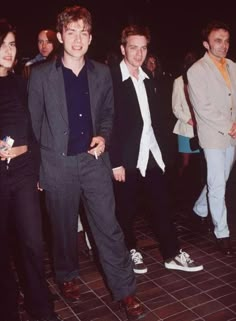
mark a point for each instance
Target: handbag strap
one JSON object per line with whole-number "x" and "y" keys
{"x": 190, "y": 108}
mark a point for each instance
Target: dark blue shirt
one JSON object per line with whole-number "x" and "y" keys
{"x": 79, "y": 111}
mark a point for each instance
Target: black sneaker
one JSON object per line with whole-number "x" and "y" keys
{"x": 138, "y": 266}
{"x": 183, "y": 262}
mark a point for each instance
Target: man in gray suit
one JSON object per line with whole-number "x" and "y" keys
{"x": 212, "y": 90}
{"x": 71, "y": 105}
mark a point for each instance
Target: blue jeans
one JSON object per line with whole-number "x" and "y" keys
{"x": 219, "y": 164}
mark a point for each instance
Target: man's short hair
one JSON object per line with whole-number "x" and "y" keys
{"x": 135, "y": 30}
{"x": 211, "y": 26}
{"x": 73, "y": 14}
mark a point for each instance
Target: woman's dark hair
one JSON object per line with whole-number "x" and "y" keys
{"x": 5, "y": 28}
{"x": 158, "y": 71}
{"x": 189, "y": 59}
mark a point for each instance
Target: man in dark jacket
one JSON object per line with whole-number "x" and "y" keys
{"x": 71, "y": 105}
{"x": 140, "y": 153}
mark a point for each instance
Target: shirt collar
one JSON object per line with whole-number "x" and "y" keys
{"x": 126, "y": 74}
{"x": 220, "y": 63}
{"x": 88, "y": 62}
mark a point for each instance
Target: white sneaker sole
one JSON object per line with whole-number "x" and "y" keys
{"x": 182, "y": 268}
{"x": 143, "y": 271}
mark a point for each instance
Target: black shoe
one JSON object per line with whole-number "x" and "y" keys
{"x": 202, "y": 224}
{"x": 70, "y": 289}
{"x": 53, "y": 317}
{"x": 225, "y": 246}
{"x": 11, "y": 317}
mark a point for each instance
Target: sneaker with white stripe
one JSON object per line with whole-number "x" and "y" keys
{"x": 183, "y": 262}
{"x": 138, "y": 266}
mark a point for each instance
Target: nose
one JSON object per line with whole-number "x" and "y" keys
{"x": 226, "y": 45}
{"x": 139, "y": 52}
{"x": 77, "y": 38}
{"x": 8, "y": 49}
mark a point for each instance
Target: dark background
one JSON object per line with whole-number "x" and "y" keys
{"x": 175, "y": 27}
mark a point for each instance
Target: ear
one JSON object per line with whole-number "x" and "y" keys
{"x": 122, "y": 49}
{"x": 206, "y": 45}
{"x": 59, "y": 37}
{"x": 90, "y": 39}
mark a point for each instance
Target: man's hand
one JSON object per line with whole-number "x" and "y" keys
{"x": 97, "y": 146}
{"x": 119, "y": 174}
{"x": 39, "y": 188}
{"x": 232, "y": 131}
{"x": 190, "y": 122}
{"x": 5, "y": 151}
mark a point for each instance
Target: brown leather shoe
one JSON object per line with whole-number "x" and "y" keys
{"x": 133, "y": 309}
{"x": 70, "y": 289}
{"x": 225, "y": 246}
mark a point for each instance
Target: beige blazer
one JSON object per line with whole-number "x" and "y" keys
{"x": 213, "y": 102}
{"x": 180, "y": 109}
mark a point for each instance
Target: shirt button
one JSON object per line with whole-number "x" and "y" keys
{"x": 229, "y": 94}
{"x": 82, "y": 133}
{"x": 65, "y": 132}
{"x": 63, "y": 154}
{"x": 80, "y": 115}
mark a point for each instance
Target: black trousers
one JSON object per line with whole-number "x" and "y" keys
{"x": 89, "y": 178}
{"x": 20, "y": 213}
{"x": 153, "y": 190}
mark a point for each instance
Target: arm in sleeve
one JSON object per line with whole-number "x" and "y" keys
{"x": 177, "y": 102}
{"x": 202, "y": 104}
{"x": 36, "y": 102}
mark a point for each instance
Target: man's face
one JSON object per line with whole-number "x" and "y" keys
{"x": 218, "y": 43}
{"x": 8, "y": 51}
{"x": 44, "y": 45}
{"x": 135, "y": 51}
{"x": 76, "y": 39}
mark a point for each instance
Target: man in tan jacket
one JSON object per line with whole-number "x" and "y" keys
{"x": 212, "y": 90}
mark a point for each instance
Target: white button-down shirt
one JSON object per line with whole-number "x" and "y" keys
{"x": 148, "y": 141}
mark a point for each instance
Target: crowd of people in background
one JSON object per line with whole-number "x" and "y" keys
{"x": 97, "y": 133}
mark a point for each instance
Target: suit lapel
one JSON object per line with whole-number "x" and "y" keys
{"x": 93, "y": 84}
{"x": 215, "y": 70}
{"x": 57, "y": 89}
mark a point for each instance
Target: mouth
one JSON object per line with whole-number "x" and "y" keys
{"x": 77, "y": 48}
{"x": 8, "y": 58}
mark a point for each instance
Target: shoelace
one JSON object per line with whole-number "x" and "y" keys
{"x": 136, "y": 257}
{"x": 184, "y": 257}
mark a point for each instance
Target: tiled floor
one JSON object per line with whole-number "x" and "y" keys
{"x": 208, "y": 295}
{"x": 167, "y": 295}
